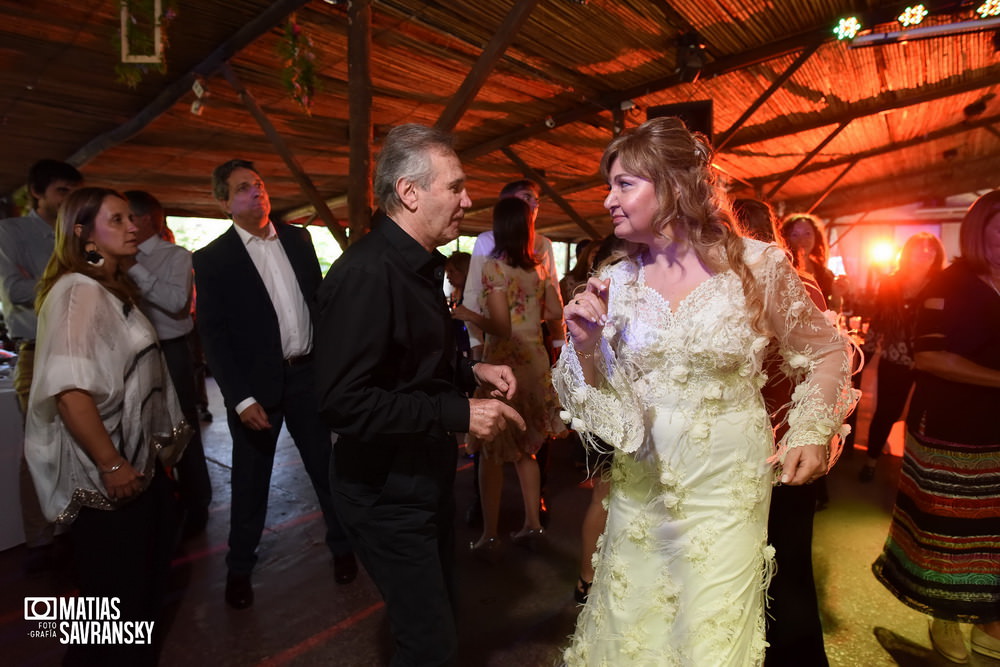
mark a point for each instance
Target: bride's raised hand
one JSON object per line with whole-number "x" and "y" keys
{"x": 586, "y": 314}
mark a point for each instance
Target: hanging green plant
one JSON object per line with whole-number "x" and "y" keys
{"x": 143, "y": 38}
{"x": 299, "y": 62}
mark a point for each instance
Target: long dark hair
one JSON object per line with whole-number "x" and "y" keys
{"x": 512, "y": 233}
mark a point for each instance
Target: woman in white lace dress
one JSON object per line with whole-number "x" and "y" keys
{"x": 664, "y": 363}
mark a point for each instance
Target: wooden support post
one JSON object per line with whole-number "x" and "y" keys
{"x": 833, "y": 184}
{"x": 286, "y": 154}
{"x": 360, "y": 133}
{"x": 461, "y": 100}
{"x": 550, "y": 191}
{"x": 773, "y": 88}
{"x": 808, "y": 158}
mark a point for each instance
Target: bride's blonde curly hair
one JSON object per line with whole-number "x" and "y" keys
{"x": 678, "y": 163}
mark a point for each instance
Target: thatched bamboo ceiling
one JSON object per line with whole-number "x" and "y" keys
{"x": 906, "y": 136}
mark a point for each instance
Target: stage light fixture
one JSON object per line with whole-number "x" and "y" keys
{"x": 989, "y": 8}
{"x": 847, "y": 28}
{"x": 912, "y": 15}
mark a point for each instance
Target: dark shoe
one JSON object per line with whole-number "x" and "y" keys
{"x": 582, "y": 590}
{"x": 488, "y": 551}
{"x": 474, "y": 515}
{"x": 194, "y": 523}
{"x": 39, "y": 560}
{"x": 530, "y": 538}
{"x": 239, "y": 591}
{"x": 866, "y": 474}
{"x": 345, "y": 568}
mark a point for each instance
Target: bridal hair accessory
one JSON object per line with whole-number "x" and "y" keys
{"x": 94, "y": 258}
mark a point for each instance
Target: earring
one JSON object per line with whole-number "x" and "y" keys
{"x": 94, "y": 258}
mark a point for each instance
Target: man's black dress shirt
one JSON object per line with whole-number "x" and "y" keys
{"x": 385, "y": 350}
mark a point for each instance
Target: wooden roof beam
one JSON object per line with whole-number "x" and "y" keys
{"x": 588, "y": 108}
{"x": 286, "y": 154}
{"x": 766, "y": 95}
{"x": 806, "y": 160}
{"x": 964, "y": 126}
{"x": 170, "y": 95}
{"x": 946, "y": 179}
{"x": 551, "y": 192}
{"x": 833, "y": 185}
{"x": 477, "y": 76}
{"x": 780, "y": 127}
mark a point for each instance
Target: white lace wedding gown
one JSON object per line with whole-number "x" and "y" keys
{"x": 683, "y": 564}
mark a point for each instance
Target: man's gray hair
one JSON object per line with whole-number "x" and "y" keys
{"x": 406, "y": 154}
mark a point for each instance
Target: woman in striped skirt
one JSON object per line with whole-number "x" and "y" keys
{"x": 942, "y": 555}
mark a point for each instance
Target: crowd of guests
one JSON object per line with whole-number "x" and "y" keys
{"x": 698, "y": 361}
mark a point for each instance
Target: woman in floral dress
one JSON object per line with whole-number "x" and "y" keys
{"x": 517, "y": 295}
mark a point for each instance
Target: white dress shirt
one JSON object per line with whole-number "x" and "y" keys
{"x": 268, "y": 255}
{"x": 163, "y": 274}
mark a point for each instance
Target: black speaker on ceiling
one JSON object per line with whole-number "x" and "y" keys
{"x": 696, "y": 115}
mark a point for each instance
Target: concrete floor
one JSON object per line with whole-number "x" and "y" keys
{"x": 517, "y": 613}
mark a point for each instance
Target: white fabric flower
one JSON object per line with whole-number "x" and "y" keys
{"x": 713, "y": 391}
{"x": 577, "y": 424}
{"x": 759, "y": 343}
{"x": 798, "y": 361}
{"x": 680, "y": 373}
{"x": 565, "y": 416}
{"x": 796, "y": 308}
{"x": 699, "y": 431}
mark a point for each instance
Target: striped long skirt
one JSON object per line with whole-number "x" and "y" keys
{"x": 942, "y": 556}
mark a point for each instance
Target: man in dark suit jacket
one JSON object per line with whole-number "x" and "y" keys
{"x": 256, "y": 287}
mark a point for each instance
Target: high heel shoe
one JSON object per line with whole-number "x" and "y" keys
{"x": 529, "y": 538}
{"x": 488, "y": 551}
{"x": 582, "y": 590}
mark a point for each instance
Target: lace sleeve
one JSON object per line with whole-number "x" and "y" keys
{"x": 817, "y": 357}
{"x": 608, "y": 411}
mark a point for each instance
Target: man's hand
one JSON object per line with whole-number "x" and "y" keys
{"x": 500, "y": 378}
{"x": 255, "y": 418}
{"x": 803, "y": 465}
{"x": 487, "y": 417}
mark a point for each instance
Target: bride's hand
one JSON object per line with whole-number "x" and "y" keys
{"x": 586, "y": 314}
{"x": 804, "y": 465}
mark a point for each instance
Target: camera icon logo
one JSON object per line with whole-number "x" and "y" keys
{"x": 40, "y": 609}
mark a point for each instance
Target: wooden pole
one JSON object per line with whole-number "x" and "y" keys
{"x": 286, "y": 154}
{"x": 360, "y": 133}
{"x": 806, "y": 160}
{"x": 505, "y": 34}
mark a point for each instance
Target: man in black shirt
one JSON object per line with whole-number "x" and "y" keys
{"x": 389, "y": 388}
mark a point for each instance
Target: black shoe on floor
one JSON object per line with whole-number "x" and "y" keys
{"x": 239, "y": 591}
{"x": 345, "y": 568}
{"x": 474, "y": 515}
{"x": 866, "y": 474}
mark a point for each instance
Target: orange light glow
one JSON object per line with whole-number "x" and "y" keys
{"x": 883, "y": 253}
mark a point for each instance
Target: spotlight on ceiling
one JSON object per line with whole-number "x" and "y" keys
{"x": 847, "y": 28}
{"x": 691, "y": 56}
{"x": 989, "y": 8}
{"x": 912, "y": 15}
